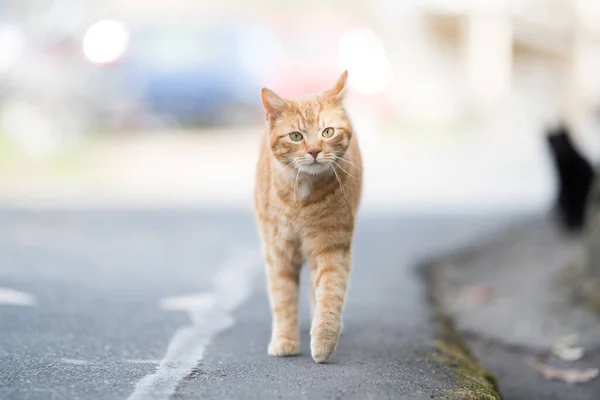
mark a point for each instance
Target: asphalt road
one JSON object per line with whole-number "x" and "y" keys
{"x": 159, "y": 304}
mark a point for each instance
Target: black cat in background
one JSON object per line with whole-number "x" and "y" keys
{"x": 575, "y": 178}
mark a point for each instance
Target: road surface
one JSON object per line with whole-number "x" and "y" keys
{"x": 107, "y": 304}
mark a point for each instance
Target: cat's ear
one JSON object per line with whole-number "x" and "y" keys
{"x": 338, "y": 91}
{"x": 273, "y": 104}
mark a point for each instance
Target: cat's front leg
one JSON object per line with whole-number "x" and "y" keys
{"x": 330, "y": 273}
{"x": 283, "y": 271}
{"x": 312, "y": 301}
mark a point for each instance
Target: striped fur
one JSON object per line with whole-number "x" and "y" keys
{"x": 306, "y": 213}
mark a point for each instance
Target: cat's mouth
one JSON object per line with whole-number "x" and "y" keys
{"x": 315, "y": 167}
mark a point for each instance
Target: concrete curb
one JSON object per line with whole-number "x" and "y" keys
{"x": 450, "y": 350}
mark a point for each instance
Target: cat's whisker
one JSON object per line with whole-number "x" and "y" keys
{"x": 290, "y": 163}
{"x": 350, "y": 157}
{"x": 279, "y": 172}
{"x": 347, "y": 159}
{"x": 337, "y": 177}
{"x": 340, "y": 167}
{"x": 296, "y": 186}
{"x": 349, "y": 162}
{"x": 270, "y": 184}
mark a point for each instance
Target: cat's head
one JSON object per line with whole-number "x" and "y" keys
{"x": 309, "y": 134}
{"x": 559, "y": 141}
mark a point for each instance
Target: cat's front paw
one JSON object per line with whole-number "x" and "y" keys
{"x": 283, "y": 347}
{"x": 324, "y": 338}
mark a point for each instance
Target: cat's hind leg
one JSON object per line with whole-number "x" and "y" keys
{"x": 284, "y": 262}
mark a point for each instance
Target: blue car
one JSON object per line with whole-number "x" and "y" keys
{"x": 193, "y": 75}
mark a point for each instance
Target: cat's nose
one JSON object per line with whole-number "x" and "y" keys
{"x": 314, "y": 153}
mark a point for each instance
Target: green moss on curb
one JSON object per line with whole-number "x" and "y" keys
{"x": 477, "y": 383}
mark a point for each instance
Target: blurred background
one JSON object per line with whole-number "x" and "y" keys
{"x": 157, "y": 103}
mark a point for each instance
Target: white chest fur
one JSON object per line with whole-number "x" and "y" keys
{"x": 303, "y": 190}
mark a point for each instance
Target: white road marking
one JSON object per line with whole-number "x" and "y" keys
{"x": 73, "y": 361}
{"x": 14, "y": 297}
{"x": 210, "y": 314}
{"x": 198, "y": 301}
{"x": 157, "y": 362}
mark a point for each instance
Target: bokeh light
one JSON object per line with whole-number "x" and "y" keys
{"x": 105, "y": 41}
{"x": 12, "y": 43}
{"x": 363, "y": 54}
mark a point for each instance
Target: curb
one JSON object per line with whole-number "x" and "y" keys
{"x": 450, "y": 350}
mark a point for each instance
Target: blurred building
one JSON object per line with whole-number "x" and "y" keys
{"x": 449, "y": 92}
{"x": 525, "y": 59}
{"x": 167, "y": 64}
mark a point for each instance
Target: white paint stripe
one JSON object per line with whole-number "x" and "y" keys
{"x": 197, "y": 301}
{"x": 210, "y": 314}
{"x": 74, "y": 361}
{"x": 16, "y": 298}
{"x": 156, "y": 362}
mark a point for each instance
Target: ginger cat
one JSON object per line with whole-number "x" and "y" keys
{"x": 308, "y": 187}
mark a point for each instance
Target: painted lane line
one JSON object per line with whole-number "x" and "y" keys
{"x": 155, "y": 362}
{"x": 14, "y": 297}
{"x": 198, "y": 301}
{"x": 210, "y": 314}
{"x": 73, "y": 361}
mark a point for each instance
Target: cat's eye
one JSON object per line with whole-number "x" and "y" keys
{"x": 328, "y": 132}
{"x": 296, "y": 136}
